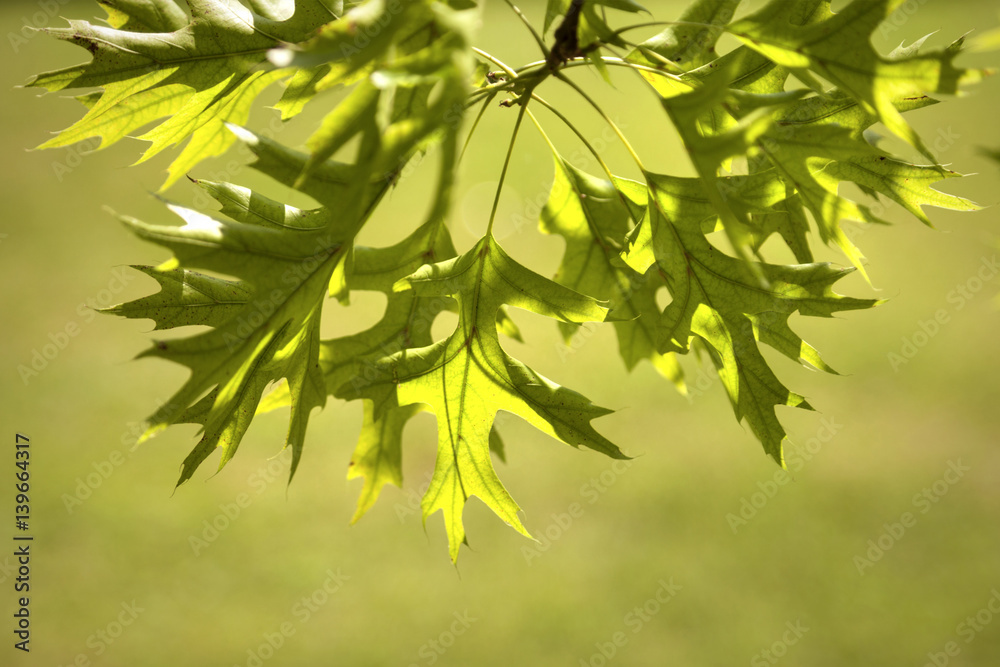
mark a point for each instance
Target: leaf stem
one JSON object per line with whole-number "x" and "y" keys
{"x": 607, "y": 119}
{"x": 496, "y": 61}
{"x": 574, "y": 129}
{"x": 534, "y": 33}
{"x": 516, "y": 78}
{"x": 475, "y": 124}
{"x": 506, "y": 164}
{"x": 583, "y": 62}
{"x": 652, "y": 24}
{"x": 586, "y": 142}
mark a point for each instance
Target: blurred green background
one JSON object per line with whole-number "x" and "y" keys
{"x": 666, "y": 518}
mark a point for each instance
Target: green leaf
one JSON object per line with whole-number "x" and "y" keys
{"x": 185, "y": 298}
{"x": 690, "y": 43}
{"x": 378, "y": 457}
{"x": 349, "y": 363}
{"x": 285, "y": 260}
{"x": 807, "y": 142}
{"x": 144, "y": 15}
{"x": 468, "y": 377}
{"x": 589, "y": 214}
{"x": 292, "y": 257}
{"x": 839, "y": 50}
{"x": 300, "y": 90}
{"x": 720, "y": 300}
{"x": 273, "y": 335}
{"x": 769, "y": 156}
{"x": 623, "y": 5}
{"x": 406, "y": 324}
{"x": 391, "y": 109}
{"x": 710, "y": 147}
{"x": 818, "y": 142}
{"x": 906, "y": 184}
{"x": 348, "y": 360}
{"x": 198, "y": 75}
{"x": 364, "y": 39}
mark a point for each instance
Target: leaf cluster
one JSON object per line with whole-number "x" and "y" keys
{"x": 773, "y": 130}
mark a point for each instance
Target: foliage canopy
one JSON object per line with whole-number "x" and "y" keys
{"x": 773, "y": 128}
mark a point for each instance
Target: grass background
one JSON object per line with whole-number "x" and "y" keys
{"x": 662, "y": 518}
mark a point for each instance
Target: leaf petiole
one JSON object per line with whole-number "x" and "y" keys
{"x": 607, "y": 119}
{"x": 506, "y": 164}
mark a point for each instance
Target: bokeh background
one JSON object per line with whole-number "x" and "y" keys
{"x": 881, "y": 437}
